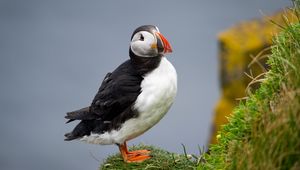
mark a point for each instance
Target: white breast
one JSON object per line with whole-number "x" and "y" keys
{"x": 159, "y": 89}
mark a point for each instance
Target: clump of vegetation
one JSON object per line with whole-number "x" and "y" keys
{"x": 161, "y": 159}
{"x": 264, "y": 131}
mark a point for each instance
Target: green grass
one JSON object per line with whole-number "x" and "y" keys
{"x": 263, "y": 131}
{"x": 161, "y": 160}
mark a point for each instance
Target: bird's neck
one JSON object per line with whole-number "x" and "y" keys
{"x": 144, "y": 65}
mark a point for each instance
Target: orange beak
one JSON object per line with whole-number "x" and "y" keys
{"x": 166, "y": 45}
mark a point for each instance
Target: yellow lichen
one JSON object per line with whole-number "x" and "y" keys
{"x": 237, "y": 45}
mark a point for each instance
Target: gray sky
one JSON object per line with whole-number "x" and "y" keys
{"x": 54, "y": 54}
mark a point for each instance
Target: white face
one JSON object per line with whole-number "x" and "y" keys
{"x": 143, "y": 44}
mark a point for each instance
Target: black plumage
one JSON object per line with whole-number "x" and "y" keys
{"x": 112, "y": 105}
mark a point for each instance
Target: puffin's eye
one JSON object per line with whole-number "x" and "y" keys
{"x": 142, "y": 37}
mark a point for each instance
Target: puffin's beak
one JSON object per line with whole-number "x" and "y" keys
{"x": 163, "y": 44}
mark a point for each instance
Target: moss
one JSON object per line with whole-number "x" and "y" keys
{"x": 161, "y": 160}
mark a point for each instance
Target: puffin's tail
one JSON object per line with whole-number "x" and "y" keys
{"x": 83, "y": 128}
{"x": 81, "y": 114}
{"x": 89, "y": 121}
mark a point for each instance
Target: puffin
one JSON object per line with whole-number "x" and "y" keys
{"x": 132, "y": 98}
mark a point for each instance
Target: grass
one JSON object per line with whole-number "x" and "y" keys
{"x": 263, "y": 131}
{"x": 161, "y": 160}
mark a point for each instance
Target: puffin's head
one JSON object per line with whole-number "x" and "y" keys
{"x": 147, "y": 41}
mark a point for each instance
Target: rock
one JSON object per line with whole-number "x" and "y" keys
{"x": 243, "y": 49}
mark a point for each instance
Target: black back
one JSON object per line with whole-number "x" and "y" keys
{"x": 117, "y": 93}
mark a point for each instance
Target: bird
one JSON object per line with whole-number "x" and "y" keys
{"x": 132, "y": 98}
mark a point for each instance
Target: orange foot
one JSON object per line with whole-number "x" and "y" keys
{"x": 133, "y": 156}
{"x": 137, "y": 158}
{"x": 138, "y": 152}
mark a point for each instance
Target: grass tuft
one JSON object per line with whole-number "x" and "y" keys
{"x": 161, "y": 160}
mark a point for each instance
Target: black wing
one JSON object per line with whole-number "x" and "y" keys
{"x": 118, "y": 91}
{"x": 112, "y": 104}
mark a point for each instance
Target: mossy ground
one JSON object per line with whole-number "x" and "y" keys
{"x": 161, "y": 160}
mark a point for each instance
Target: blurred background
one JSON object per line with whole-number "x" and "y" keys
{"x": 54, "y": 55}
